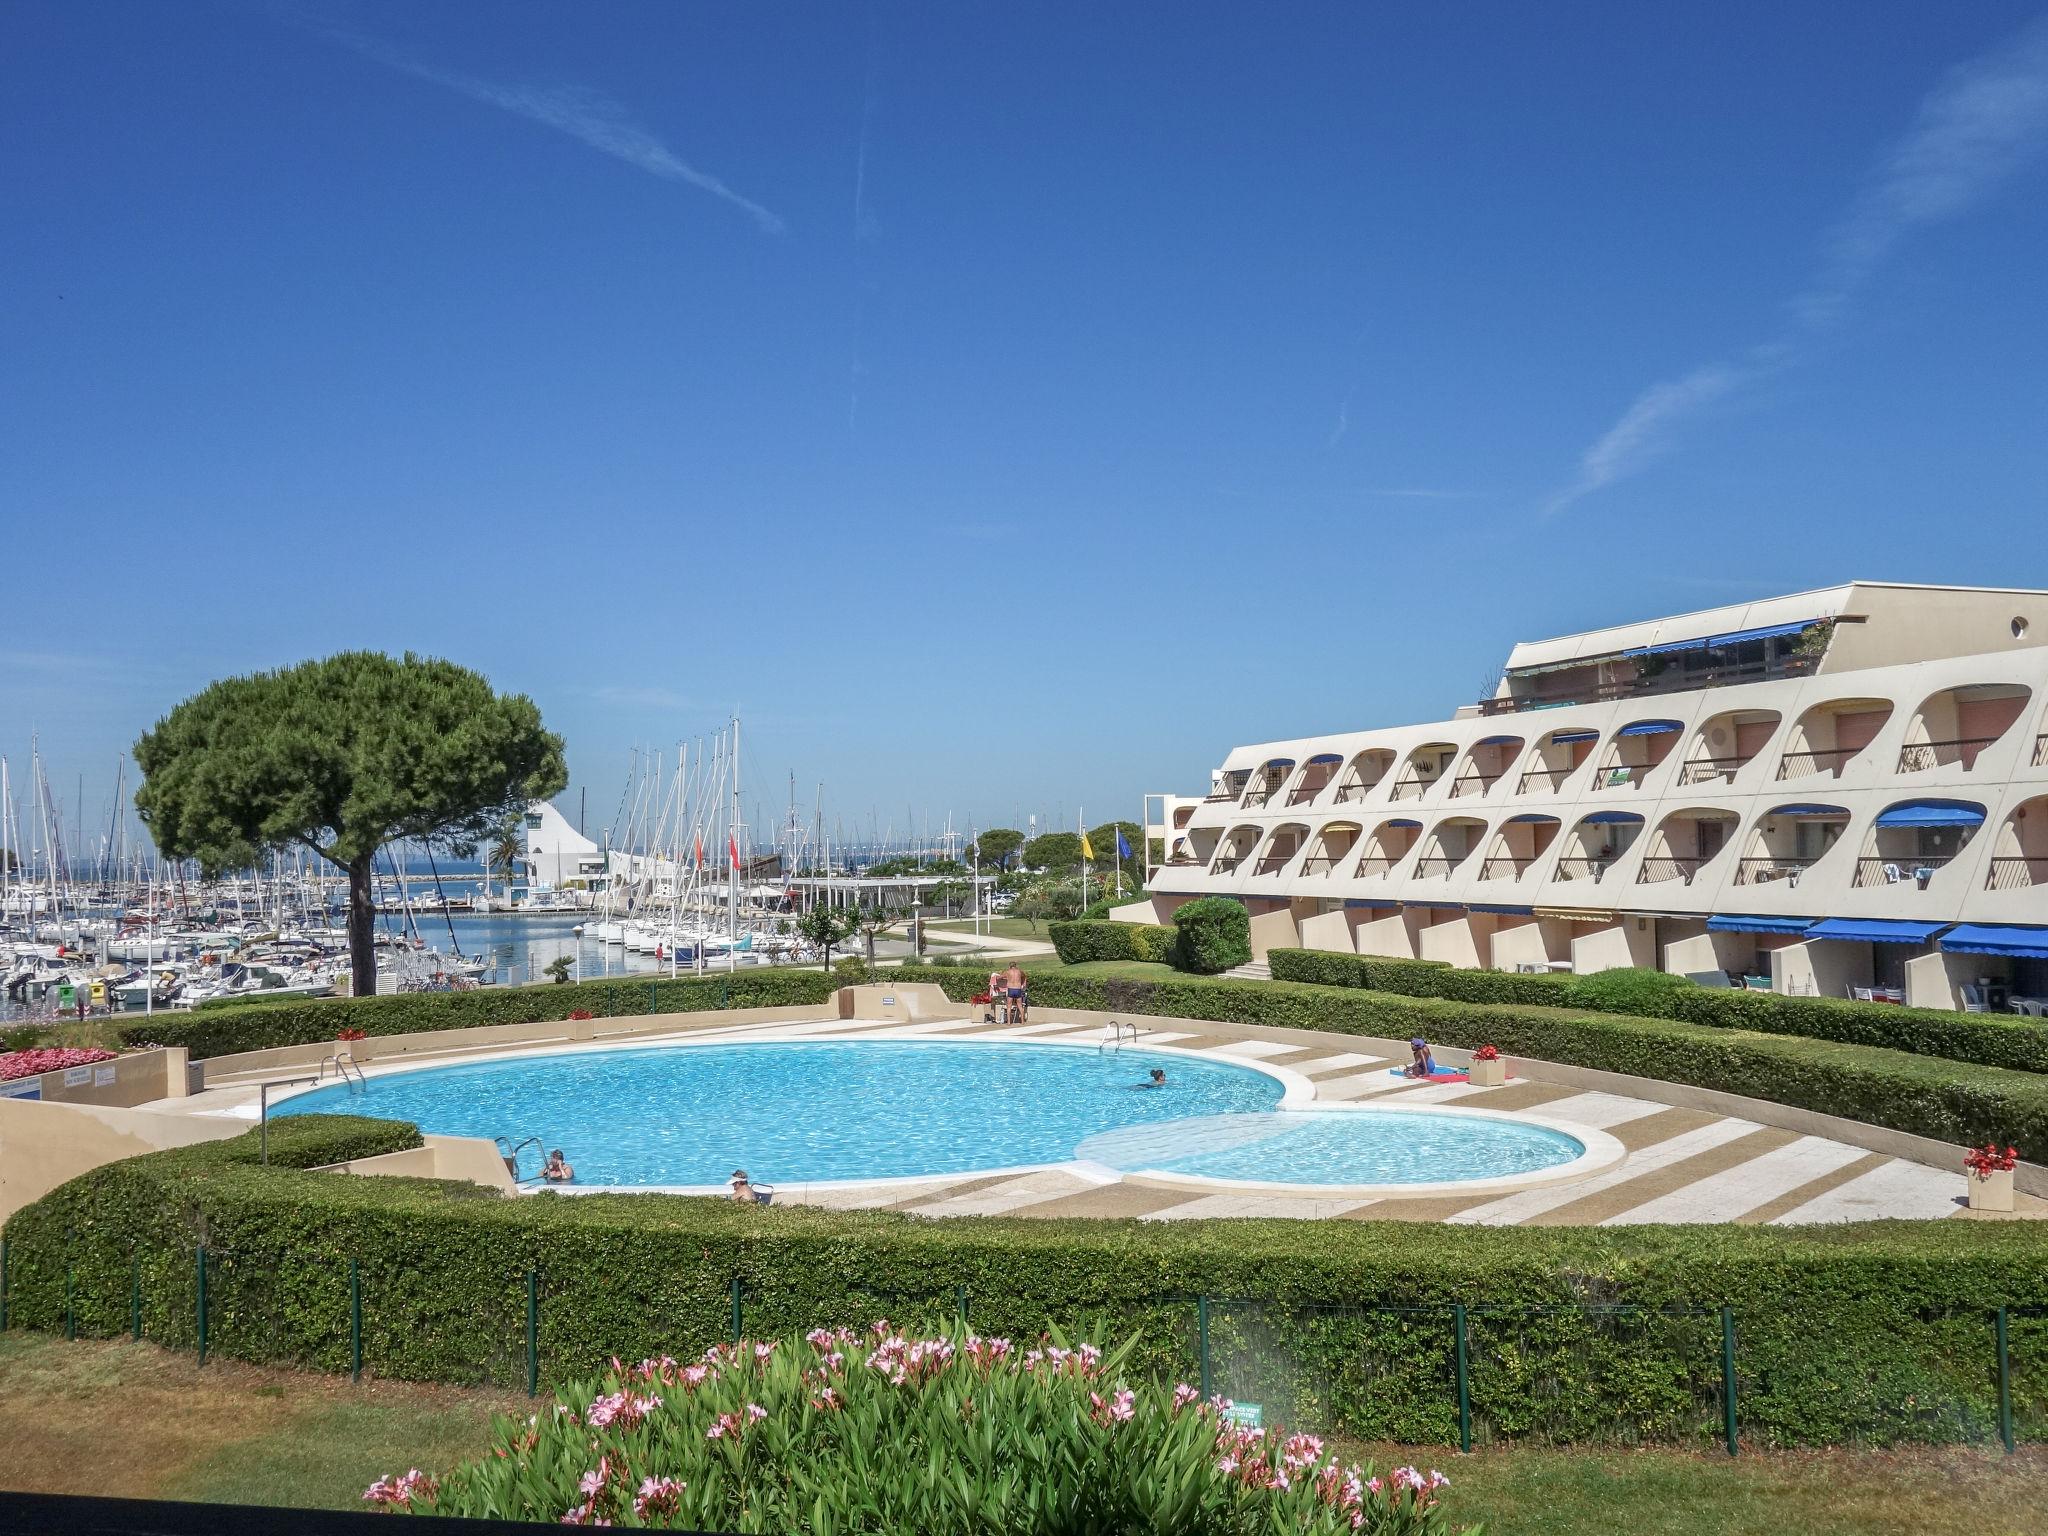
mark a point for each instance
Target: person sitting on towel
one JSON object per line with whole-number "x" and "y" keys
{"x": 1421, "y": 1063}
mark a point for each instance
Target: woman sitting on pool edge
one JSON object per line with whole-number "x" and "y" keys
{"x": 744, "y": 1193}
{"x": 1421, "y": 1064}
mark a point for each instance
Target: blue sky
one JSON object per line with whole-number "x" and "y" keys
{"x": 1003, "y": 408}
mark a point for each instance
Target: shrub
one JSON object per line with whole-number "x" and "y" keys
{"x": 305, "y": 1021}
{"x": 1986, "y": 1039}
{"x": 1877, "y": 1331}
{"x": 1215, "y": 934}
{"x": 1079, "y": 941}
{"x": 843, "y": 1432}
{"x": 35, "y": 1062}
{"x": 850, "y": 971}
{"x": 1099, "y": 911}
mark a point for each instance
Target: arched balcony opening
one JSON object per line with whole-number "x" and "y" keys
{"x": 1182, "y": 814}
{"x": 2019, "y": 858}
{"x": 1829, "y": 737}
{"x": 1557, "y": 757}
{"x": 1363, "y": 775}
{"x": 1227, "y": 784}
{"x": 1427, "y": 766}
{"x": 1521, "y": 841}
{"x": 1597, "y": 844}
{"x": 1235, "y": 849}
{"x": 1281, "y": 847}
{"x": 1727, "y": 744}
{"x": 1684, "y": 843}
{"x": 1314, "y": 778}
{"x": 1955, "y": 725}
{"x": 1333, "y": 845}
{"x": 1787, "y": 841}
{"x": 1266, "y": 781}
{"x": 1485, "y": 764}
{"x": 1390, "y": 843}
{"x": 1912, "y": 841}
{"x": 1451, "y": 842}
{"x": 1635, "y": 752}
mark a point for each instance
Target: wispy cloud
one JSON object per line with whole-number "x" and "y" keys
{"x": 1976, "y": 128}
{"x": 584, "y": 115}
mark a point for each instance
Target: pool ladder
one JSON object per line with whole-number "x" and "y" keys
{"x": 344, "y": 1068}
{"x": 509, "y": 1150}
{"x": 1114, "y": 1034}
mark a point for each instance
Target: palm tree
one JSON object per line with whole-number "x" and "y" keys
{"x": 507, "y": 852}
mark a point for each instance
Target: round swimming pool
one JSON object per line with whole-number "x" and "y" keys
{"x": 796, "y": 1112}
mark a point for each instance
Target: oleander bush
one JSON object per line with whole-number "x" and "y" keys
{"x": 1874, "y": 1332}
{"x": 1989, "y": 1039}
{"x": 839, "y": 1432}
{"x": 1214, "y": 934}
{"x": 1927, "y": 1095}
{"x": 304, "y": 1021}
{"x": 1083, "y": 940}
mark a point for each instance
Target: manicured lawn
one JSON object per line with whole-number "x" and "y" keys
{"x": 135, "y": 1420}
{"x": 999, "y": 927}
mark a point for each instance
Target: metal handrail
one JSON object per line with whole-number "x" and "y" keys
{"x": 2013, "y": 872}
{"x": 1484, "y": 781}
{"x": 2040, "y": 751}
{"x": 1697, "y": 770}
{"x": 1792, "y": 765}
{"x": 1410, "y": 789}
{"x": 1273, "y": 861}
{"x": 1673, "y": 680}
{"x": 1381, "y": 862}
{"x": 1578, "y": 866}
{"x": 1877, "y": 869}
{"x": 1227, "y": 863}
{"x": 1764, "y": 870}
{"x": 1490, "y": 869}
{"x": 1556, "y": 775}
{"x": 1665, "y": 867}
{"x": 1919, "y": 756}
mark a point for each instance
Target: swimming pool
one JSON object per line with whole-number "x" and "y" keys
{"x": 808, "y": 1111}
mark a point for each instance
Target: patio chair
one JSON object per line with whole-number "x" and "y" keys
{"x": 1973, "y": 999}
{"x": 1862, "y": 994}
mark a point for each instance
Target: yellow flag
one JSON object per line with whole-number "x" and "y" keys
{"x": 1087, "y": 849}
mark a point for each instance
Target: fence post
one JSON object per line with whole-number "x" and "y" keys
{"x": 962, "y": 1297}
{"x": 355, "y": 1320}
{"x": 737, "y": 1318}
{"x": 533, "y": 1333}
{"x": 70, "y": 1315}
{"x": 650, "y": 998}
{"x": 1464, "y": 1381}
{"x": 201, "y": 1303}
{"x": 1728, "y": 1377}
{"x": 1202, "y": 1343}
{"x": 135, "y": 1298}
{"x": 2004, "y": 1385}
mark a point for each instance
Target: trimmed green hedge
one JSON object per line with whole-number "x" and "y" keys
{"x": 1873, "y": 1332}
{"x": 304, "y": 1021}
{"x": 1089, "y": 940}
{"x": 1215, "y": 933}
{"x": 1926, "y": 1095}
{"x": 1989, "y": 1039}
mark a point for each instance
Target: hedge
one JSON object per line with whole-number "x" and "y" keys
{"x": 1988, "y": 1039}
{"x": 1880, "y": 1331}
{"x": 1089, "y": 940}
{"x": 304, "y": 1021}
{"x": 1927, "y": 1095}
{"x": 1215, "y": 933}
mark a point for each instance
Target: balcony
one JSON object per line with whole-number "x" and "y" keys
{"x": 1227, "y": 863}
{"x": 1373, "y": 864}
{"x": 1876, "y": 869}
{"x": 1583, "y": 867}
{"x": 1434, "y": 865}
{"x": 1671, "y": 680}
{"x": 1922, "y": 755}
{"x": 1549, "y": 778}
{"x": 1770, "y": 871}
{"x": 1655, "y": 870}
{"x": 1472, "y": 784}
{"x": 1273, "y": 863}
{"x": 1503, "y": 867}
{"x": 1793, "y": 764}
{"x": 1704, "y": 770}
{"x": 1318, "y": 864}
{"x": 2016, "y": 872}
{"x": 2040, "y": 751}
{"x": 1410, "y": 789}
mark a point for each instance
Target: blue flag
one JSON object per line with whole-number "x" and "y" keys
{"x": 1123, "y": 849}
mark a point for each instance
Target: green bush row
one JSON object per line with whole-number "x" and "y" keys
{"x": 1926, "y": 1095}
{"x": 1085, "y": 940}
{"x": 306, "y": 1020}
{"x": 1874, "y": 1332}
{"x": 1988, "y": 1039}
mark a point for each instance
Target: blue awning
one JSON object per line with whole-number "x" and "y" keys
{"x": 1933, "y": 813}
{"x": 1326, "y": 757}
{"x": 1735, "y": 922}
{"x": 1731, "y": 637}
{"x": 1278, "y": 762}
{"x": 1503, "y": 911}
{"x": 1874, "y": 930}
{"x": 1566, "y": 738}
{"x": 1651, "y": 728}
{"x": 1531, "y": 817}
{"x": 1806, "y": 810}
{"x": 1404, "y": 821}
{"x": 1610, "y": 819}
{"x": 1496, "y": 741}
{"x": 2013, "y": 939}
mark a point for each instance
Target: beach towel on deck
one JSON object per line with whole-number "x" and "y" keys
{"x": 1440, "y": 1075}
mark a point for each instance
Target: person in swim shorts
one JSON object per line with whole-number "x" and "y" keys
{"x": 1014, "y": 990}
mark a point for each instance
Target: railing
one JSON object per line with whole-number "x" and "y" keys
{"x": 1180, "y": 861}
{"x": 1698, "y": 770}
{"x": 1670, "y": 680}
{"x": 1226, "y": 863}
{"x": 1494, "y": 868}
{"x": 2016, "y": 872}
{"x": 1551, "y": 776}
{"x": 1258, "y": 796}
{"x": 2040, "y": 751}
{"x": 1318, "y": 863}
{"x": 1373, "y": 864}
{"x": 1273, "y": 862}
{"x": 1917, "y": 757}
{"x": 1796, "y": 764}
{"x": 1621, "y": 775}
{"x": 1658, "y": 869}
{"x": 1435, "y": 865}
{"x": 1301, "y": 794}
{"x": 1767, "y": 871}
{"x": 1485, "y": 781}
{"x": 1879, "y": 870}
{"x": 1221, "y": 796}
{"x": 1348, "y": 792}
{"x": 1410, "y": 789}
{"x": 1576, "y": 867}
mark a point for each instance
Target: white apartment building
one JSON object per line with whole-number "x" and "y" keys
{"x": 1841, "y": 792}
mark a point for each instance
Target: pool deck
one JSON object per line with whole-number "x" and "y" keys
{"x": 1682, "y": 1163}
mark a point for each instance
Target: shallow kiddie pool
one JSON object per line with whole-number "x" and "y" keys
{"x": 679, "y": 1116}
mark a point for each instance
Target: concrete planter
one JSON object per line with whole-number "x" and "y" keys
{"x": 1991, "y": 1191}
{"x": 1488, "y": 1074}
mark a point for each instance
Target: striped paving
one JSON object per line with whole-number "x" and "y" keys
{"x": 1526, "y": 1205}
{"x": 1904, "y": 1190}
{"x": 1735, "y": 1191}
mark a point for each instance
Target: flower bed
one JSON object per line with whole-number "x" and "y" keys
{"x": 835, "y": 1431}
{"x": 15, "y": 1064}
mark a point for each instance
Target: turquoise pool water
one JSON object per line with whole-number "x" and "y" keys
{"x": 798, "y": 1112}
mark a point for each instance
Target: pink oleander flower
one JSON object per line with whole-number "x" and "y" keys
{"x": 763, "y": 1351}
{"x": 695, "y": 1375}
{"x": 592, "y": 1482}
{"x": 402, "y": 1490}
{"x": 1226, "y": 1465}
{"x": 658, "y": 1496}
{"x": 585, "y": 1514}
{"x": 756, "y": 1413}
{"x": 1437, "y": 1479}
{"x": 1185, "y": 1395}
{"x": 1301, "y": 1451}
{"x": 819, "y": 1339}
{"x": 826, "y": 1400}
{"x": 1123, "y": 1406}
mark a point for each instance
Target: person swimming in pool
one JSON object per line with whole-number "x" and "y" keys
{"x": 557, "y": 1169}
{"x": 1156, "y": 1080}
{"x": 1421, "y": 1063}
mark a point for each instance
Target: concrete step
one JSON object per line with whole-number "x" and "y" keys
{"x": 1251, "y": 970}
